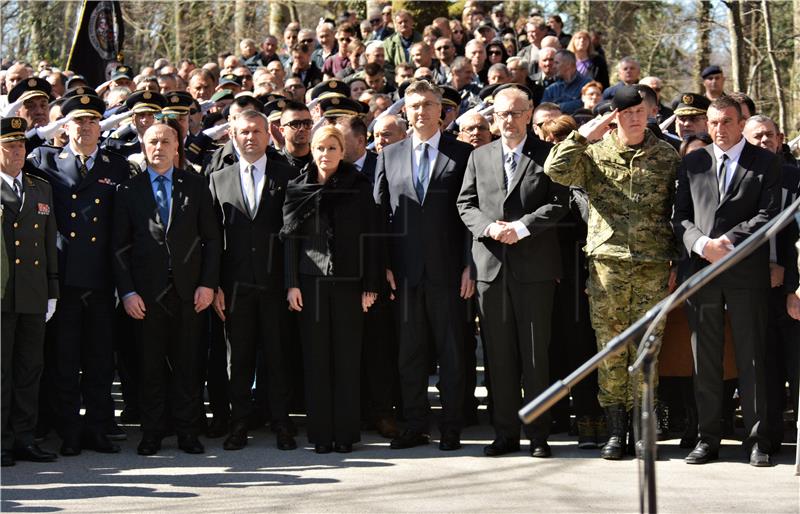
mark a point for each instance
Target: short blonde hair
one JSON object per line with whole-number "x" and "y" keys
{"x": 326, "y": 132}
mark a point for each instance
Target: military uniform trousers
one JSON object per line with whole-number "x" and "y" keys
{"x": 516, "y": 323}
{"x": 331, "y": 328}
{"x": 170, "y": 366}
{"x": 621, "y": 292}
{"x": 254, "y": 323}
{"x": 22, "y": 360}
{"x": 84, "y": 357}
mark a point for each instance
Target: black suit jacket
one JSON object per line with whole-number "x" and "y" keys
{"x": 84, "y": 209}
{"x": 252, "y": 254}
{"x": 532, "y": 198}
{"x": 752, "y": 198}
{"x": 29, "y": 237}
{"x": 426, "y": 239}
{"x": 146, "y": 250}
{"x": 221, "y": 158}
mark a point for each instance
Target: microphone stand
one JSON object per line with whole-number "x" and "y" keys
{"x": 649, "y": 348}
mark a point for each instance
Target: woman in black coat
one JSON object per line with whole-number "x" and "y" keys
{"x": 333, "y": 271}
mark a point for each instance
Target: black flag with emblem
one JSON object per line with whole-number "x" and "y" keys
{"x": 97, "y": 45}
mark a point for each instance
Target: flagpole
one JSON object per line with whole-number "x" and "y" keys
{"x": 75, "y": 36}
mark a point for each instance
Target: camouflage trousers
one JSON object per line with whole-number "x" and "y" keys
{"x": 621, "y": 292}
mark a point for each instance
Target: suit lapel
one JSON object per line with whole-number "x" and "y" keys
{"x": 29, "y": 198}
{"x": 408, "y": 168}
{"x": 10, "y": 200}
{"x": 145, "y": 189}
{"x": 709, "y": 177}
{"x": 525, "y": 162}
{"x": 496, "y": 156}
{"x": 178, "y": 196}
{"x": 442, "y": 160}
{"x": 68, "y": 166}
{"x": 742, "y": 165}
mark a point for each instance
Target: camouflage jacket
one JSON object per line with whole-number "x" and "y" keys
{"x": 631, "y": 192}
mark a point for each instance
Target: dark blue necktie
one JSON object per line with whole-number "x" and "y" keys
{"x": 423, "y": 171}
{"x": 161, "y": 200}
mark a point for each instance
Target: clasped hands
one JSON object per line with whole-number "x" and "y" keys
{"x": 503, "y": 231}
{"x": 716, "y": 249}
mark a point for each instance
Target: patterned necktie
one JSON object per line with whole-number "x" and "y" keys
{"x": 161, "y": 200}
{"x": 422, "y": 173}
{"x": 510, "y": 166}
{"x": 82, "y": 160}
{"x": 723, "y": 176}
{"x": 250, "y": 188}
{"x": 18, "y": 190}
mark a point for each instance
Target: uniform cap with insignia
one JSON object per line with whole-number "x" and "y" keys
{"x": 450, "y": 96}
{"x": 122, "y": 72}
{"x": 230, "y": 78}
{"x": 178, "y": 102}
{"x": 145, "y": 102}
{"x": 80, "y": 106}
{"x": 330, "y": 88}
{"x": 30, "y": 88}
{"x": 222, "y": 94}
{"x": 340, "y": 106}
{"x": 626, "y": 97}
{"x": 269, "y": 97}
{"x": 274, "y": 109}
{"x": 80, "y": 90}
{"x": 12, "y": 129}
{"x": 75, "y": 81}
{"x": 487, "y": 94}
{"x": 691, "y": 104}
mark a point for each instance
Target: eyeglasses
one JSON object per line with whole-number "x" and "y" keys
{"x": 504, "y": 115}
{"x": 495, "y": 52}
{"x": 299, "y": 124}
{"x": 443, "y": 47}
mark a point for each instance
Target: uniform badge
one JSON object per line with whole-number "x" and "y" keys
{"x": 43, "y": 209}
{"x": 332, "y": 84}
{"x": 335, "y": 101}
{"x": 32, "y": 83}
{"x": 16, "y": 123}
{"x": 687, "y": 99}
{"x": 174, "y": 99}
{"x": 85, "y": 100}
{"x": 147, "y": 95}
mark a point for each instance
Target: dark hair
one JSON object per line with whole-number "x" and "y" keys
{"x": 742, "y": 98}
{"x": 725, "y": 101}
{"x": 372, "y": 69}
{"x": 498, "y": 44}
{"x": 355, "y": 124}
{"x": 294, "y": 105}
{"x": 700, "y": 136}
{"x": 301, "y": 47}
{"x": 211, "y": 119}
{"x": 248, "y": 101}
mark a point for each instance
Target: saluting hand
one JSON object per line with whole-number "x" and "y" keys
{"x": 595, "y": 129}
{"x": 203, "y": 296}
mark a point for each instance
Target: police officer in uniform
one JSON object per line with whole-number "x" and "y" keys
{"x": 84, "y": 178}
{"x": 34, "y": 95}
{"x": 29, "y": 237}
{"x": 629, "y": 177}
{"x": 143, "y": 106}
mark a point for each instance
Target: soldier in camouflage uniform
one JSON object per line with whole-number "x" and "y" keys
{"x": 630, "y": 179}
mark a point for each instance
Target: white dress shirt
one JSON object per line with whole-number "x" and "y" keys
{"x": 416, "y": 155}
{"x": 259, "y": 176}
{"x": 359, "y": 163}
{"x": 733, "y": 153}
{"x": 9, "y": 180}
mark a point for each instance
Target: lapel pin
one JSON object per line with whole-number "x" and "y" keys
{"x": 105, "y": 158}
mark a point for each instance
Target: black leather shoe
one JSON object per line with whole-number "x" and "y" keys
{"x": 323, "y": 448}
{"x": 409, "y": 439}
{"x": 450, "y": 441}
{"x": 540, "y": 449}
{"x": 70, "y": 447}
{"x": 701, "y": 454}
{"x": 217, "y": 428}
{"x": 99, "y": 443}
{"x": 237, "y": 440}
{"x": 758, "y": 458}
{"x": 342, "y": 448}
{"x": 285, "y": 440}
{"x": 32, "y": 452}
{"x": 149, "y": 445}
{"x": 7, "y": 459}
{"x": 115, "y": 433}
{"x": 500, "y": 447}
{"x": 190, "y": 444}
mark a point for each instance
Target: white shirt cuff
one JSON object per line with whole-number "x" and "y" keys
{"x": 700, "y": 245}
{"x": 520, "y": 228}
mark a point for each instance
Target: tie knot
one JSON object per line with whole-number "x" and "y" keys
{"x": 161, "y": 178}
{"x": 83, "y": 158}
{"x": 250, "y": 169}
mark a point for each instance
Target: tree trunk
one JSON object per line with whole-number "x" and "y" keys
{"x": 703, "y": 16}
{"x": 176, "y": 13}
{"x": 795, "y": 80}
{"x": 583, "y": 14}
{"x": 776, "y": 76}
{"x": 736, "y": 38}
{"x": 277, "y": 19}
{"x": 239, "y": 17}
{"x": 69, "y": 29}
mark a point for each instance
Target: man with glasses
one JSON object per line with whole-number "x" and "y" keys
{"x": 445, "y": 52}
{"x": 379, "y": 29}
{"x": 535, "y": 31}
{"x": 294, "y": 89}
{"x": 296, "y": 125}
{"x": 512, "y": 209}
{"x": 474, "y": 129}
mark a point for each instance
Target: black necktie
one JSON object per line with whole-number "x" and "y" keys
{"x": 723, "y": 175}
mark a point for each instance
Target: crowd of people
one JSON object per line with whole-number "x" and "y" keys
{"x": 318, "y": 223}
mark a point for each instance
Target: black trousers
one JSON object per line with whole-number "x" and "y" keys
{"x": 22, "y": 346}
{"x": 747, "y": 309}
{"x": 214, "y": 365}
{"x": 254, "y": 322}
{"x": 84, "y": 324}
{"x": 171, "y": 349}
{"x": 331, "y": 326}
{"x": 127, "y": 350}
{"x": 782, "y": 356}
{"x": 515, "y": 319}
{"x": 379, "y": 360}
{"x": 436, "y": 311}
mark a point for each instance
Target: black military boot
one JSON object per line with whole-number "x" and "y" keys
{"x": 617, "y": 418}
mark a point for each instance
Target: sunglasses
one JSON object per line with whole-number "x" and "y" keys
{"x": 299, "y": 124}
{"x": 443, "y": 47}
{"x": 495, "y": 52}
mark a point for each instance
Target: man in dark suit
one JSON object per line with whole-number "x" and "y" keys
{"x": 167, "y": 247}
{"x": 417, "y": 184}
{"x": 378, "y": 354}
{"x": 512, "y": 208}
{"x": 29, "y": 297}
{"x": 84, "y": 178}
{"x": 248, "y": 199}
{"x": 726, "y": 192}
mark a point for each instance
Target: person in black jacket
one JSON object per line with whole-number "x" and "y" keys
{"x": 333, "y": 272}
{"x": 167, "y": 248}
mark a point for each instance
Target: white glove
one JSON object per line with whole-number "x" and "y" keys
{"x": 205, "y": 105}
{"x": 51, "y": 309}
{"x": 49, "y": 130}
{"x": 216, "y": 132}
{"x": 12, "y": 109}
{"x": 113, "y": 121}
